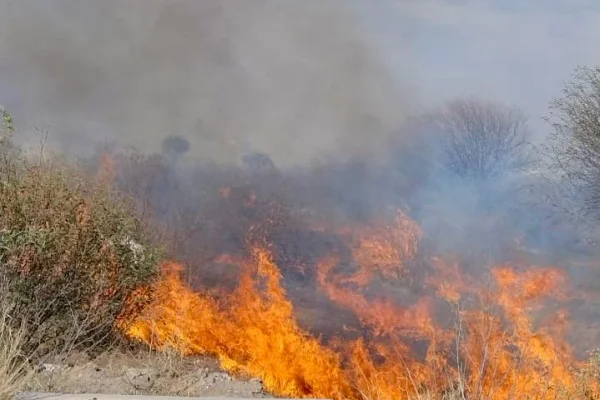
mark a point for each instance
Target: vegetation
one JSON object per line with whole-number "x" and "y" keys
{"x": 72, "y": 250}
{"x": 574, "y": 147}
{"x": 14, "y": 366}
{"x": 474, "y": 139}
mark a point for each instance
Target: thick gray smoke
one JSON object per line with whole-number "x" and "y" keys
{"x": 290, "y": 78}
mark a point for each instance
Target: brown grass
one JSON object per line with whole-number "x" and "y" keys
{"x": 14, "y": 366}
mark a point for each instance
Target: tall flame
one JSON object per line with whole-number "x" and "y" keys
{"x": 253, "y": 332}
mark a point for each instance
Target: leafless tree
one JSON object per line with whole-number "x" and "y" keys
{"x": 480, "y": 140}
{"x": 574, "y": 145}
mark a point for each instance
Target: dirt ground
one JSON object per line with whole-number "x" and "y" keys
{"x": 148, "y": 373}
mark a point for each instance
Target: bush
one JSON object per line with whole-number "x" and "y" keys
{"x": 574, "y": 144}
{"x": 472, "y": 139}
{"x": 587, "y": 384}
{"x": 72, "y": 249}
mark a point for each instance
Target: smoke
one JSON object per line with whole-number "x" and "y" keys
{"x": 268, "y": 83}
{"x": 293, "y": 79}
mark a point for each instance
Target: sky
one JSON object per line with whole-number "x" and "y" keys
{"x": 519, "y": 52}
{"x": 294, "y": 79}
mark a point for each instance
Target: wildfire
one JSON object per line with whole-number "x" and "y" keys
{"x": 252, "y": 333}
{"x": 489, "y": 350}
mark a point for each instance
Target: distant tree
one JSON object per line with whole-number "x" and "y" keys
{"x": 7, "y": 121}
{"x": 480, "y": 140}
{"x": 7, "y": 129}
{"x": 175, "y": 146}
{"x": 460, "y": 161}
{"x": 574, "y": 145}
{"x": 257, "y": 161}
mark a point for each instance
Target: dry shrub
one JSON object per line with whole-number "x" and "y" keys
{"x": 587, "y": 384}
{"x": 72, "y": 249}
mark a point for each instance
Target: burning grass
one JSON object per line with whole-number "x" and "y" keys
{"x": 401, "y": 323}
{"x": 253, "y": 333}
{"x": 489, "y": 349}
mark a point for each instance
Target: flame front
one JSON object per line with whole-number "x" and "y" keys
{"x": 253, "y": 333}
{"x": 454, "y": 336}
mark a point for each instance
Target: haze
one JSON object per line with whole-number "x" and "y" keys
{"x": 297, "y": 80}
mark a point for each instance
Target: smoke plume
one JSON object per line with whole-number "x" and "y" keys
{"x": 292, "y": 79}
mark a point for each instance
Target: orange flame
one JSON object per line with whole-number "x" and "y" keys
{"x": 254, "y": 333}
{"x": 106, "y": 169}
{"x": 491, "y": 350}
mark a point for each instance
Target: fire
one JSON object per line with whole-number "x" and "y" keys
{"x": 450, "y": 336}
{"x": 504, "y": 346}
{"x": 253, "y": 332}
{"x": 106, "y": 169}
{"x": 385, "y": 248}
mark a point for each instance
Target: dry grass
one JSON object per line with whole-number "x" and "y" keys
{"x": 14, "y": 367}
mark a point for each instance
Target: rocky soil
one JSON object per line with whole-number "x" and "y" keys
{"x": 142, "y": 374}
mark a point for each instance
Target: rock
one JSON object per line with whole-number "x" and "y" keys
{"x": 76, "y": 358}
{"x": 141, "y": 379}
{"x": 50, "y": 367}
{"x": 255, "y": 386}
{"x": 204, "y": 373}
{"x": 217, "y": 377}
